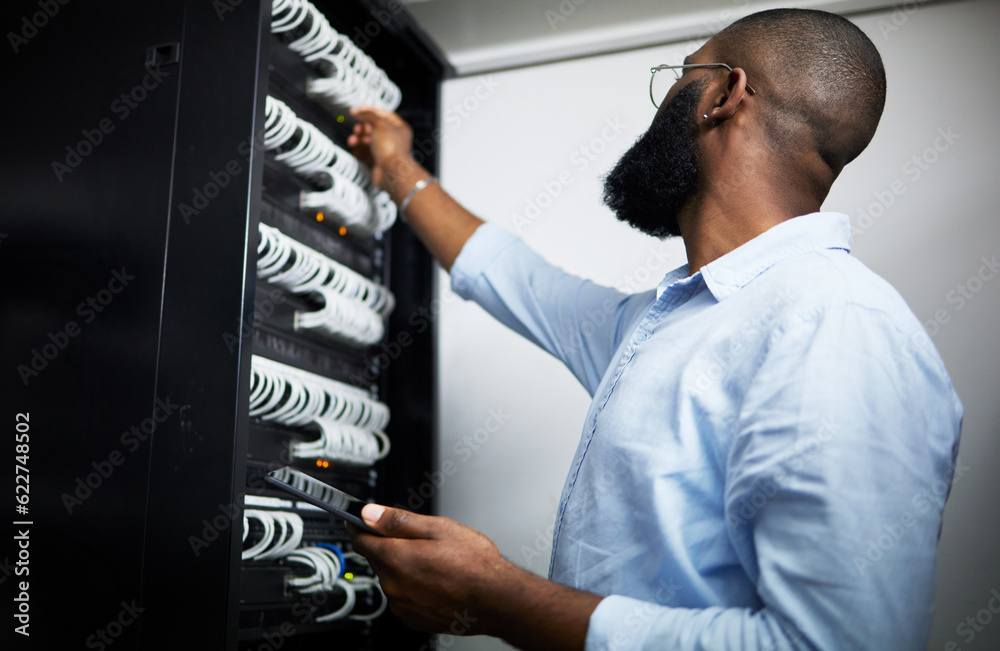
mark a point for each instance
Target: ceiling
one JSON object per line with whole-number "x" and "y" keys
{"x": 484, "y": 35}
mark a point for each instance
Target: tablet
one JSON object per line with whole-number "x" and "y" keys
{"x": 335, "y": 501}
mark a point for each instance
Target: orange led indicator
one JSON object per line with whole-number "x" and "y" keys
{"x": 319, "y": 216}
{"x": 343, "y": 230}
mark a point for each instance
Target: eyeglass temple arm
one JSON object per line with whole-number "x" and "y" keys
{"x": 656, "y": 69}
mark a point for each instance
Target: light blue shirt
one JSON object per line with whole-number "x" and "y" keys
{"x": 768, "y": 451}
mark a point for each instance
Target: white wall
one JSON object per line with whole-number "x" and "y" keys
{"x": 478, "y": 36}
{"x": 526, "y": 134}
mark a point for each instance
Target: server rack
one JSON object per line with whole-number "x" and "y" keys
{"x": 132, "y": 310}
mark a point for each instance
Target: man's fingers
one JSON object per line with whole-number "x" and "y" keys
{"x": 369, "y": 114}
{"x": 374, "y": 114}
{"x": 366, "y": 544}
{"x": 360, "y": 146}
{"x": 397, "y": 523}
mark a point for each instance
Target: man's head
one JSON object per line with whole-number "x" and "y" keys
{"x": 819, "y": 92}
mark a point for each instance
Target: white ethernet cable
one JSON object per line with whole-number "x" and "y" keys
{"x": 294, "y": 529}
{"x": 301, "y": 269}
{"x": 351, "y": 196}
{"x": 354, "y": 306}
{"x": 282, "y": 533}
{"x": 325, "y": 578}
{"x": 351, "y": 423}
{"x": 327, "y": 569}
{"x": 345, "y": 443}
{"x": 367, "y": 583}
{"x": 311, "y": 396}
{"x": 343, "y": 319}
{"x": 351, "y": 77}
{"x": 268, "y": 538}
{"x": 327, "y": 565}
{"x": 313, "y": 155}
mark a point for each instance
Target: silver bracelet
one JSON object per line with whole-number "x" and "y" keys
{"x": 420, "y": 185}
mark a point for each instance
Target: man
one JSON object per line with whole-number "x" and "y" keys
{"x": 766, "y": 458}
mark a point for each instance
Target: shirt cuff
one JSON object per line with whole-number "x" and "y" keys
{"x": 479, "y": 251}
{"x": 620, "y": 623}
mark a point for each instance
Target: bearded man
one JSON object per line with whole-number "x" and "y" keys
{"x": 758, "y": 419}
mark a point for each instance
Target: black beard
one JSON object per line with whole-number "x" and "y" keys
{"x": 658, "y": 175}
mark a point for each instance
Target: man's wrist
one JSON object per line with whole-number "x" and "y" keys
{"x": 532, "y": 612}
{"x": 417, "y": 187}
{"x": 402, "y": 172}
{"x": 497, "y": 597}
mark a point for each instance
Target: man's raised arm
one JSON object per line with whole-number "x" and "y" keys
{"x": 383, "y": 140}
{"x": 577, "y": 321}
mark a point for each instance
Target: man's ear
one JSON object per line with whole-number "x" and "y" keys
{"x": 728, "y": 102}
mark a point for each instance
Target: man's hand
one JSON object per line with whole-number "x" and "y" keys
{"x": 384, "y": 141}
{"x": 444, "y": 577}
{"x": 434, "y": 570}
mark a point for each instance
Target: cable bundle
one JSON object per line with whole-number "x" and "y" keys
{"x": 327, "y": 562}
{"x": 328, "y": 569}
{"x": 350, "y": 422}
{"x": 363, "y": 582}
{"x": 295, "y": 397}
{"x": 345, "y": 443}
{"x": 354, "y": 306}
{"x": 350, "y": 194}
{"x": 350, "y": 78}
{"x": 282, "y": 534}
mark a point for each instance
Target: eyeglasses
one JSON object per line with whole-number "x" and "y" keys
{"x": 660, "y": 88}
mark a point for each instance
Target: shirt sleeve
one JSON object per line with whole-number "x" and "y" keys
{"x": 842, "y": 459}
{"x": 579, "y": 322}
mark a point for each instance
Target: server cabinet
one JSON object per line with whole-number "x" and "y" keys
{"x": 133, "y": 181}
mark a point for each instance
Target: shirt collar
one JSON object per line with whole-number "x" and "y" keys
{"x": 805, "y": 234}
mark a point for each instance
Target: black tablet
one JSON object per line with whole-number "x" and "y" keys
{"x": 339, "y": 503}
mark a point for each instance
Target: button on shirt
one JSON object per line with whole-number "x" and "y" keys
{"x": 768, "y": 450}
